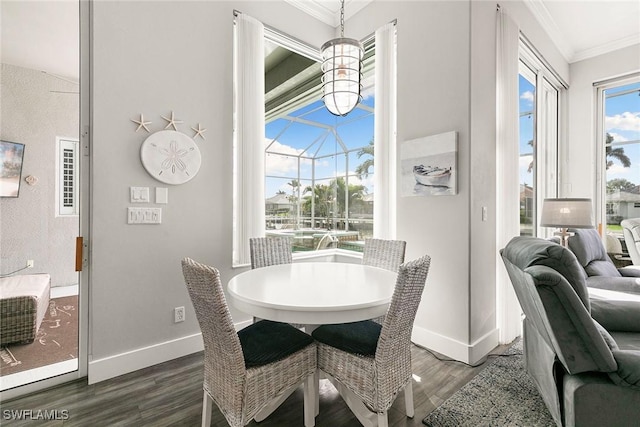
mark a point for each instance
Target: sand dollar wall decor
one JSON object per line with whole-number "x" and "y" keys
{"x": 170, "y": 156}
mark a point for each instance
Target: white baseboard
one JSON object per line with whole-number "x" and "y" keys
{"x": 470, "y": 354}
{"x": 123, "y": 363}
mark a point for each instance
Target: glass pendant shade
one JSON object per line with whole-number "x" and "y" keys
{"x": 341, "y": 75}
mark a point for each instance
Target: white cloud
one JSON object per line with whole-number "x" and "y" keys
{"x": 527, "y": 96}
{"x": 525, "y": 161}
{"x": 624, "y": 121}
{"x": 617, "y": 137}
{"x": 281, "y": 164}
{"x": 617, "y": 169}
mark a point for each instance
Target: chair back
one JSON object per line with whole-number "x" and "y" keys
{"x": 224, "y": 369}
{"x": 393, "y": 353}
{"x": 631, "y": 231}
{"x": 387, "y": 254}
{"x": 587, "y": 246}
{"x": 267, "y": 251}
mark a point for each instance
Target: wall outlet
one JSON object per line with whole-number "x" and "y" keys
{"x": 29, "y": 263}
{"x": 178, "y": 314}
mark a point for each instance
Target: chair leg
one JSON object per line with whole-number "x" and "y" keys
{"x": 316, "y": 382}
{"x": 310, "y": 398}
{"x": 383, "y": 421}
{"x": 408, "y": 398}
{"x": 207, "y": 407}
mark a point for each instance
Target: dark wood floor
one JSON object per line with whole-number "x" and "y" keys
{"x": 170, "y": 394}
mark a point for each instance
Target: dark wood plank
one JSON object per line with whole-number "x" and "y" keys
{"x": 170, "y": 394}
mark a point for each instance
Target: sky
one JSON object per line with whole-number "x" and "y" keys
{"x": 622, "y": 121}
{"x": 355, "y": 130}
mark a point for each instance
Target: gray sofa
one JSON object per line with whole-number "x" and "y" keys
{"x": 601, "y": 272}
{"x": 582, "y": 354}
{"x": 631, "y": 231}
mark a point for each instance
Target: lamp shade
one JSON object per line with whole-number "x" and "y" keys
{"x": 341, "y": 74}
{"x": 567, "y": 213}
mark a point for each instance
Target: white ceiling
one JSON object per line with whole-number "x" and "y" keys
{"x": 43, "y": 35}
{"x": 583, "y": 29}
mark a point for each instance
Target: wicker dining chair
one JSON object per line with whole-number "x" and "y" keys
{"x": 373, "y": 361}
{"x": 267, "y": 251}
{"x": 247, "y": 370}
{"x": 387, "y": 254}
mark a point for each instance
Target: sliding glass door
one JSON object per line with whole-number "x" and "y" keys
{"x": 538, "y": 139}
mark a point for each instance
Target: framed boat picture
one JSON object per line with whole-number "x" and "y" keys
{"x": 11, "y": 158}
{"x": 428, "y": 165}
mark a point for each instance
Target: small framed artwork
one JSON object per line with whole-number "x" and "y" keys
{"x": 11, "y": 159}
{"x": 428, "y": 165}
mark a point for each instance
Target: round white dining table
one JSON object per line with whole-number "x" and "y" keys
{"x": 313, "y": 293}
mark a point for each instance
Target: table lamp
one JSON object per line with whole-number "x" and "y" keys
{"x": 565, "y": 214}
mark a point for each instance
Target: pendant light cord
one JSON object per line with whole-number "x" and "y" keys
{"x": 342, "y": 19}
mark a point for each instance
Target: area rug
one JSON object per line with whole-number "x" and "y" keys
{"x": 56, "y": 340}
{"x": 502, "y": 394}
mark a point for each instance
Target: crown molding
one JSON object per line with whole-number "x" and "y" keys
{"x": 549, "y": 25}
{"x": 316, "y": 9}
{"x": 323, "y": 10}
{"x": 606, "y": 48}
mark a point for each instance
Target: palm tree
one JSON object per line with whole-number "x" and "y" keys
{"x": 322, "y": 196}
{"x": 356, "y": 194}
{"x": 363, "y": 168}
{"x": 615, "y": 153}
{"x": 293, "y": 199}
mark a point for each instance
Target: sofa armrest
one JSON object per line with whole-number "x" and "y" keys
{"x": 620, "y": 284}
{"x": 617, "y": 316}
{"x": 628, "y": 373}
{"x": 630, "y": 271}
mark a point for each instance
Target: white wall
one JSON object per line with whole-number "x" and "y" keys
{"x": 34, "y": 112}
{"x": 581, "y": 149}
{"x": 154, "y": 58}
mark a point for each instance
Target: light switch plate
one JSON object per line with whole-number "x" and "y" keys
{"x": 162, "y": 195}
{"x": 144, "y": 215}
{"x": 139, "y": 194}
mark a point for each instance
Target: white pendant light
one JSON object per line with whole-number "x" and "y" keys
{"x": 341, "y": 72}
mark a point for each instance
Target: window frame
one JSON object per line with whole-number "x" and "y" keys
{"x": 547, "y": 128}
{"x": 298, "y": 47}
{"x": 601, "y": 204}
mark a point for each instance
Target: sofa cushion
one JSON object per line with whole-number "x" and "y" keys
{"x": 355, "y": 338}
{"x": 266, "y": 342}
{"x": 587, "y": 245}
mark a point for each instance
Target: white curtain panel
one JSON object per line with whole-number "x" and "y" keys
{"x": 508, "y": 181}
{"x": 249, "y": 137}
{"x": 384, "y": 207}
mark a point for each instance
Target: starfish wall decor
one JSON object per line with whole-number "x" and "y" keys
{"x": 172, "y": 122}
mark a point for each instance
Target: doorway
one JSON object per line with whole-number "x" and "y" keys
{"x": 44, "y": 107}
